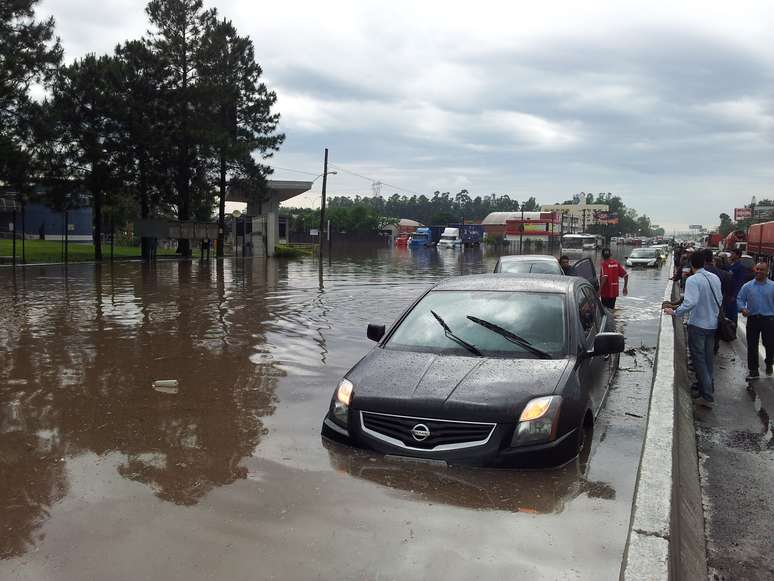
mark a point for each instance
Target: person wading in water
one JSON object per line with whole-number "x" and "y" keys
{"x": 609, "y": 274}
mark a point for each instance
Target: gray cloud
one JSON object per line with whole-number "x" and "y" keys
{"x": 667, "y": 106}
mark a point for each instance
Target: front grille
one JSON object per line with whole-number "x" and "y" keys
{"x": 443, "y": 434}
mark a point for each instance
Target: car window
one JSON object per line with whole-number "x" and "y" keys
{"x": 586, "y": 312}
{"x": 523, "y": 266}
{"x": 598, "y": 313}
{"x": 537, "y": 317}
{"x": 584, "y": 268}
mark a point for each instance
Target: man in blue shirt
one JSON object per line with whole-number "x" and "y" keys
{"x": 756, "y": 302}
{"x": 701, "y": 303}
{"x": 740, "y": 272}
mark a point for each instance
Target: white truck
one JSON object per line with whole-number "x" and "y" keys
{"x": 450, "y": 238}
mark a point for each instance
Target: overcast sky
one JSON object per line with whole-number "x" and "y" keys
{"x": 669, "y": 106}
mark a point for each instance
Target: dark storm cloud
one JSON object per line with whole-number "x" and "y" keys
{"x": 660, "y": 105}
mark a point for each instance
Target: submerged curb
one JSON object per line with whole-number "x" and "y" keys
{"x": 647, "y": 548}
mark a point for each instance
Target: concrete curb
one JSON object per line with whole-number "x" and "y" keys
{"x": 647, "y": 550}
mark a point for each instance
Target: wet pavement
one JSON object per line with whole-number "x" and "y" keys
{"x": 735, "y": 442}
{"x": 224, "y": 475}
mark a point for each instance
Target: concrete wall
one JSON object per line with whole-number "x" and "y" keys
{"x": 666, "y": 533}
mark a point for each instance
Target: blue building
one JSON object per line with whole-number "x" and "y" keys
{"x": 41, "y": 222}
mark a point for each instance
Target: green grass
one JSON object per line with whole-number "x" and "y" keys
{"x": 293, "y": 251}
{"x": 51, "y": 251}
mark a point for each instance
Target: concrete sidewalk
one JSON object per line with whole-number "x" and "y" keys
{"x": 736, "y": 464}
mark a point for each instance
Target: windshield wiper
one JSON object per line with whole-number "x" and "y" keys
{"x": 512, "y": 337}
{"x": 450, "y": 334}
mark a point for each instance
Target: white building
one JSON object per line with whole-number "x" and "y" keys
{"x": 579, "y": 216}
{"x": 264, "y": 213}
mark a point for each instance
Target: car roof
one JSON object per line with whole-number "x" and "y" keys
{"x": 556, "y": 283}
{"x": 529, "y": 258}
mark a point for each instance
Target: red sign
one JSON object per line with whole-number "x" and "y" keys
{"x": 742, "y": 213}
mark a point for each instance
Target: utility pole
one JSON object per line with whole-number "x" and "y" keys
{"x": 521, "y": 230}
{"x": 23, "y": 232}
{"x": 322, "y": 205}
{"x": 13, "y": 223}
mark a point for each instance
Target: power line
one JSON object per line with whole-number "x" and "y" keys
{"x": 375, "y": 183}
{"x": 309, "y": 173}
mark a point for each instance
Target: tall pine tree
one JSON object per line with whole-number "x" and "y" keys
{"x": 29, "y": 54}
{"x": 240, "y": 121}
{"x": 176, "y": 37}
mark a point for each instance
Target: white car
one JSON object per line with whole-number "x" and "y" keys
{"x": 644, "y": 257}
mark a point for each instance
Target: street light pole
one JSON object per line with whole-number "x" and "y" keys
{"x": 322, "y": 205}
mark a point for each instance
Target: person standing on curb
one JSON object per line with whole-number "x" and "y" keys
{"x": 726, "y": 285}
{"x": 739, "y": 272}
{"x": 756, "y": 302}
{"x": 703, "y": 296}
{"x": 609, "y": 272}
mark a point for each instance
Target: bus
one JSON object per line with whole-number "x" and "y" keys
{"x": 579, "y": 242}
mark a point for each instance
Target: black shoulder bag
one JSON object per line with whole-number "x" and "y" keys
{"x": 726, "y": 327}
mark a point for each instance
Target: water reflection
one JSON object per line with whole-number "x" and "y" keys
{"x": 80, "y": 358}
{"x": 536, "y": 492}
{"x": 253, "y": 345}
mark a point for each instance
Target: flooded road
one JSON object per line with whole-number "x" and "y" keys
{"x": 224, "y": 474}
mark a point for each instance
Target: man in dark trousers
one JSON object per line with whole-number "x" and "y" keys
{"x": 702, "y": 297}
{"x": 726, "y": 286}
{"x": 756, "y": 302}
{"x": 740, "y": 273}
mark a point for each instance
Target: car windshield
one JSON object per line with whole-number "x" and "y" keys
{"x": 419, "y": 236}
{"x": 572, "y": 242}
{"x": 522, "y": 266}
{"x": 643, "y": 253}
{"x": 537, "y": 317}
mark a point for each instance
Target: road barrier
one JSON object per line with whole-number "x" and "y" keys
{"x": 647, "y": 548}
{"x": 666, "y": 532}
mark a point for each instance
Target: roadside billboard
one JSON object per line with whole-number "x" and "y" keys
{"x": 742, "y": 213}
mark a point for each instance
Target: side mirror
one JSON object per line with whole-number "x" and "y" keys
{"x": 376, "y": 332}
{"x": 608, "y": 344}
{"x": 625, "y": 257}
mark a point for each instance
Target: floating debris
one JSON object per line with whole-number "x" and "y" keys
{"x": 16, "y": 382}
{"x": 166, "y": 386}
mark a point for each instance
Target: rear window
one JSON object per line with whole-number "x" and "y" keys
{"x": 522, "y": 267}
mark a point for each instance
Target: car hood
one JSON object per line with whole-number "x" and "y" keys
{"x": 443, "y": 386}
{"x": 652, "y": 258}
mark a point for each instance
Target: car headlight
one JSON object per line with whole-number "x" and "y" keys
{"x": 652, "y": 263}
{"x": 341, "y": 400}
{"x": 538, "y": 422}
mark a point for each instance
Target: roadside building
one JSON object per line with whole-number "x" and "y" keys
{"x": 577, "y": 217}
{"x": 528, "y": 226}
{"x": 262, "y": 229}
{"x": 39, "y": 221}
{"x": 407, "y": 226}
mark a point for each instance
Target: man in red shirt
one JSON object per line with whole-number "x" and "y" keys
{"x": 609, "y": 272}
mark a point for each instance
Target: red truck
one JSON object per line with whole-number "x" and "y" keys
{"x": 760, "y": 241}
{"x": 712, "y": 240}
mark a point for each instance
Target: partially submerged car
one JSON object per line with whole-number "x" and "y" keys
{"x": 644, "y": 257}
{"x": 545, "y": 264}
{"x": 500, "y": 370}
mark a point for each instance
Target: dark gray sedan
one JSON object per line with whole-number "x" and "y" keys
{"x": 503, "y": 370}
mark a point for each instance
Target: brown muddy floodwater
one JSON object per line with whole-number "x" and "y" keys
{"x": 225, "y": 476}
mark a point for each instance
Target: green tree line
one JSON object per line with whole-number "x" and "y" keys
{"x": 364, "y": 214}
{"x": 163, "y": 126}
